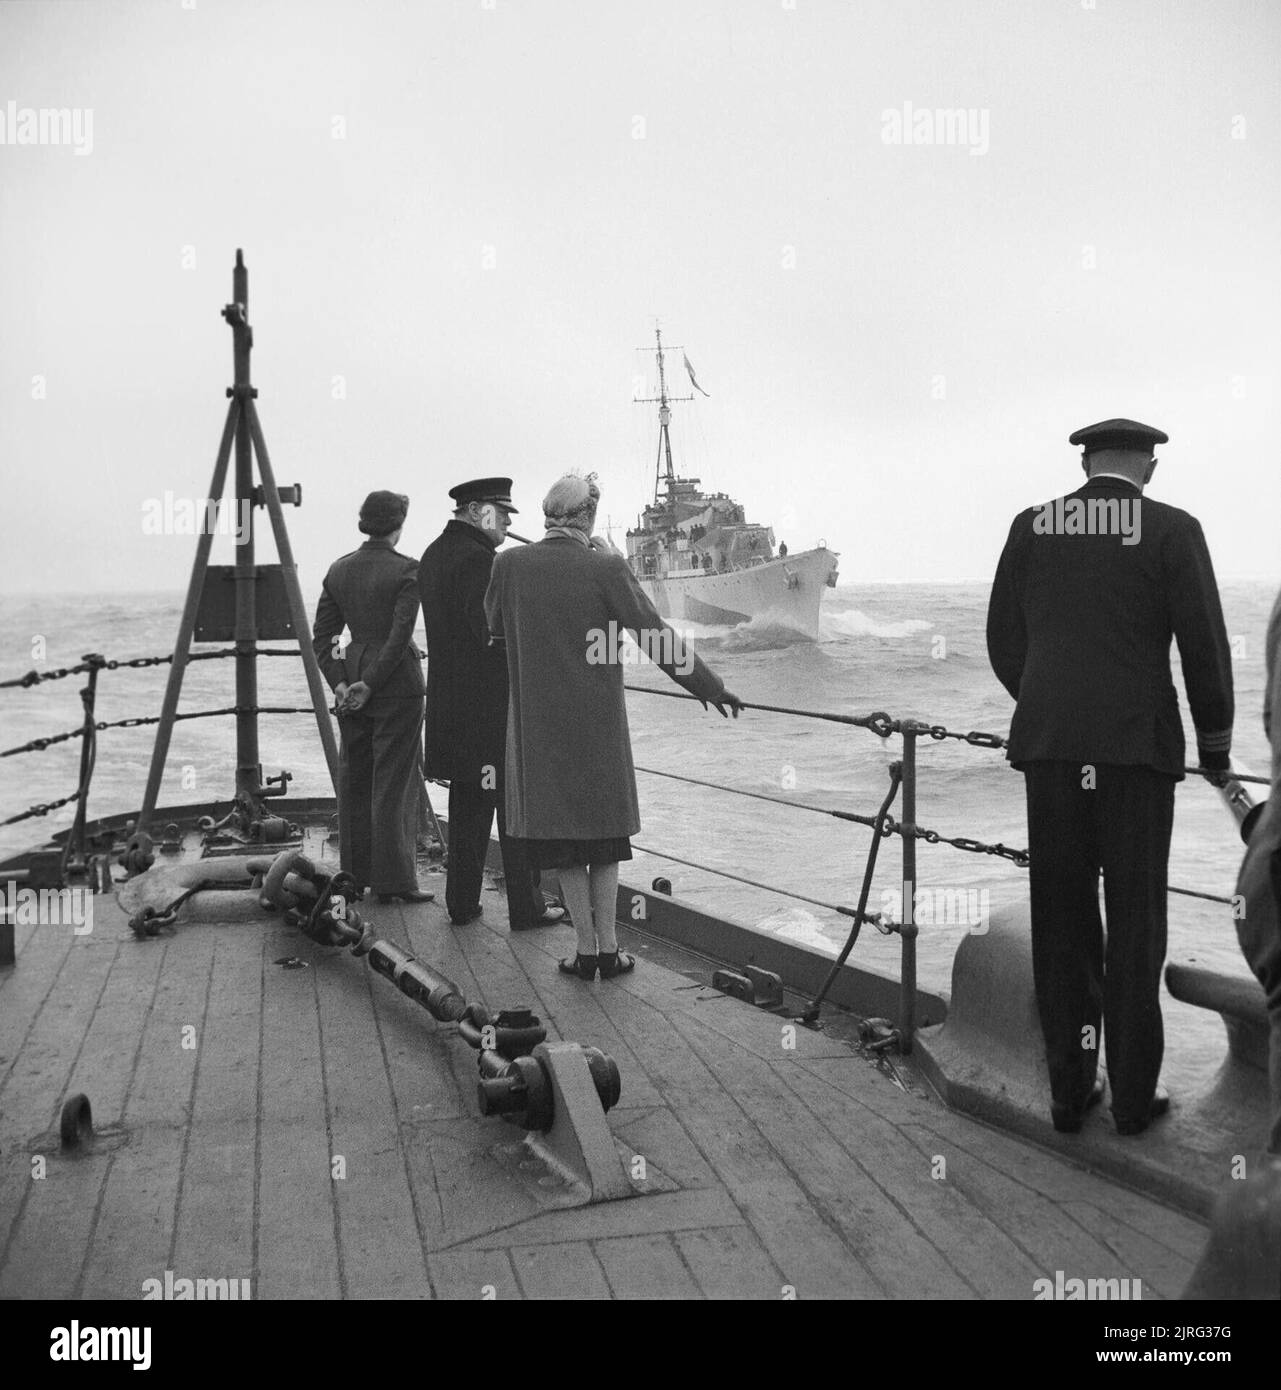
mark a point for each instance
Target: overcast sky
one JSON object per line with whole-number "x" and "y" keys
{"x": 461, "y": 217}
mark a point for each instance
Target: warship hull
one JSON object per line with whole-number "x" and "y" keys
{"x": 787, "y": 591}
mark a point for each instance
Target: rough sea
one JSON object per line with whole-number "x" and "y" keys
{"x": 910, "y": 649}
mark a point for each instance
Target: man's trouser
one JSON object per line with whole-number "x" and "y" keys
{"x": 472, "y": 808}
{"x": 1121, "y": 828}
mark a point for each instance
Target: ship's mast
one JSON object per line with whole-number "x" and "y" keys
{"x": 663, "y": 401}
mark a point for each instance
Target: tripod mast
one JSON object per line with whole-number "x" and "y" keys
{"x": 663, "y": 401}
{"x": 267, "y": 599}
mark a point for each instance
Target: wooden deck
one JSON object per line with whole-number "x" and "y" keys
{"x": 236, "y": 1085}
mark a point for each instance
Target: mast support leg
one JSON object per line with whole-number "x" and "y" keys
{"x": 182, "y": 648}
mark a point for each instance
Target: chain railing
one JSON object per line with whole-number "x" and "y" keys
{"x": 911, "y": 731}
{"x": 136, "y": 663}
{"x": 885, "y": 725}
{"x": 883, "y": 824}
{"x": 91, "y": 665}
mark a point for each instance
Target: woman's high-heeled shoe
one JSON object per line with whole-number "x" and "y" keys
{"x": 615, "y": 963}
{"x": 582, "y": 966}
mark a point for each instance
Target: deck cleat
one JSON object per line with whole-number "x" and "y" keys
{"x": 735, "y": 985}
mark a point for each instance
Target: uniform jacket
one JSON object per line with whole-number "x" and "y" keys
{"x": 1079, "y": 629}
{"x": 466, "y": 729}
{"x": 373, "y": 591}
{"x": 569, "y": 755}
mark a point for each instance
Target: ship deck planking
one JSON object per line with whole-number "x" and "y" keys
{"x": 315, "y": 1134}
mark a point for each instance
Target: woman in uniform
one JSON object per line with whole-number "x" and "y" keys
{"x": 378, "y": 680}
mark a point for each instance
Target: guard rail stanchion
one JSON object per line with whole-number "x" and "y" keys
{"x": 907, "y": 971}
{"x": 74, "y": 855}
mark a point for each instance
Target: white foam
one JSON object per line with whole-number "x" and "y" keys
{"x": 854, "y": 623}
{"x": 795, "y": 923}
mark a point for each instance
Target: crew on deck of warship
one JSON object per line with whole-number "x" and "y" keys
{"x": 378, "y": 680}
{"x": 466, "y": 725}
{"x": 570, "y": 784}
{"x": 1078, "y": 631}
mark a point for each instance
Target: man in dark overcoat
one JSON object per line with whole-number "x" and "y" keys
{"x": 1089, "y": 590}
{"x": 466, "y": 728}
{"x": 378, "y": 680}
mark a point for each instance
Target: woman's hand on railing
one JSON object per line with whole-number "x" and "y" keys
{"x": 729, "y": 703}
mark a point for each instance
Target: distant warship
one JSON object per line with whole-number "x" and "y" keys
{"x": 699, "y": 559}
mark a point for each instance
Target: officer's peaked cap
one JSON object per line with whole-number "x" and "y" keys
{"x": 484, "y": 490}
{"x": 1118, "y": 434}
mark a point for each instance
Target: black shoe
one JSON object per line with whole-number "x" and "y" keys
{"x": 582, "y": 966}
{"x": 1160, "y": 1106}
{"x": 412, "y": 895}
{"x": 1070, "y": 1121}
{"x": 467, "y": 917}
{"x": 615, "y": 963}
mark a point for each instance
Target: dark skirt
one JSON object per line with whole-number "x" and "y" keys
{"x": 569, "y": 854}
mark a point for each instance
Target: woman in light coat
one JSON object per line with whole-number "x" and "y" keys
{"x": 561, "y": 606}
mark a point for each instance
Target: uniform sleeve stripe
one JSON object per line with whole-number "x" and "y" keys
{"x": 1216, "y": 742}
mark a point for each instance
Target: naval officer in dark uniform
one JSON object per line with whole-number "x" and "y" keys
{"x": 1088, "y": 593}
{"x": 466, "y": 730}
{"x": 378, "y": 680}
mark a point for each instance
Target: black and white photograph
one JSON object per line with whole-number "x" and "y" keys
{"x": 640, "y": 659}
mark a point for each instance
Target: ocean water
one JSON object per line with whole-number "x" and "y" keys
{"x": 910, "y": 649}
